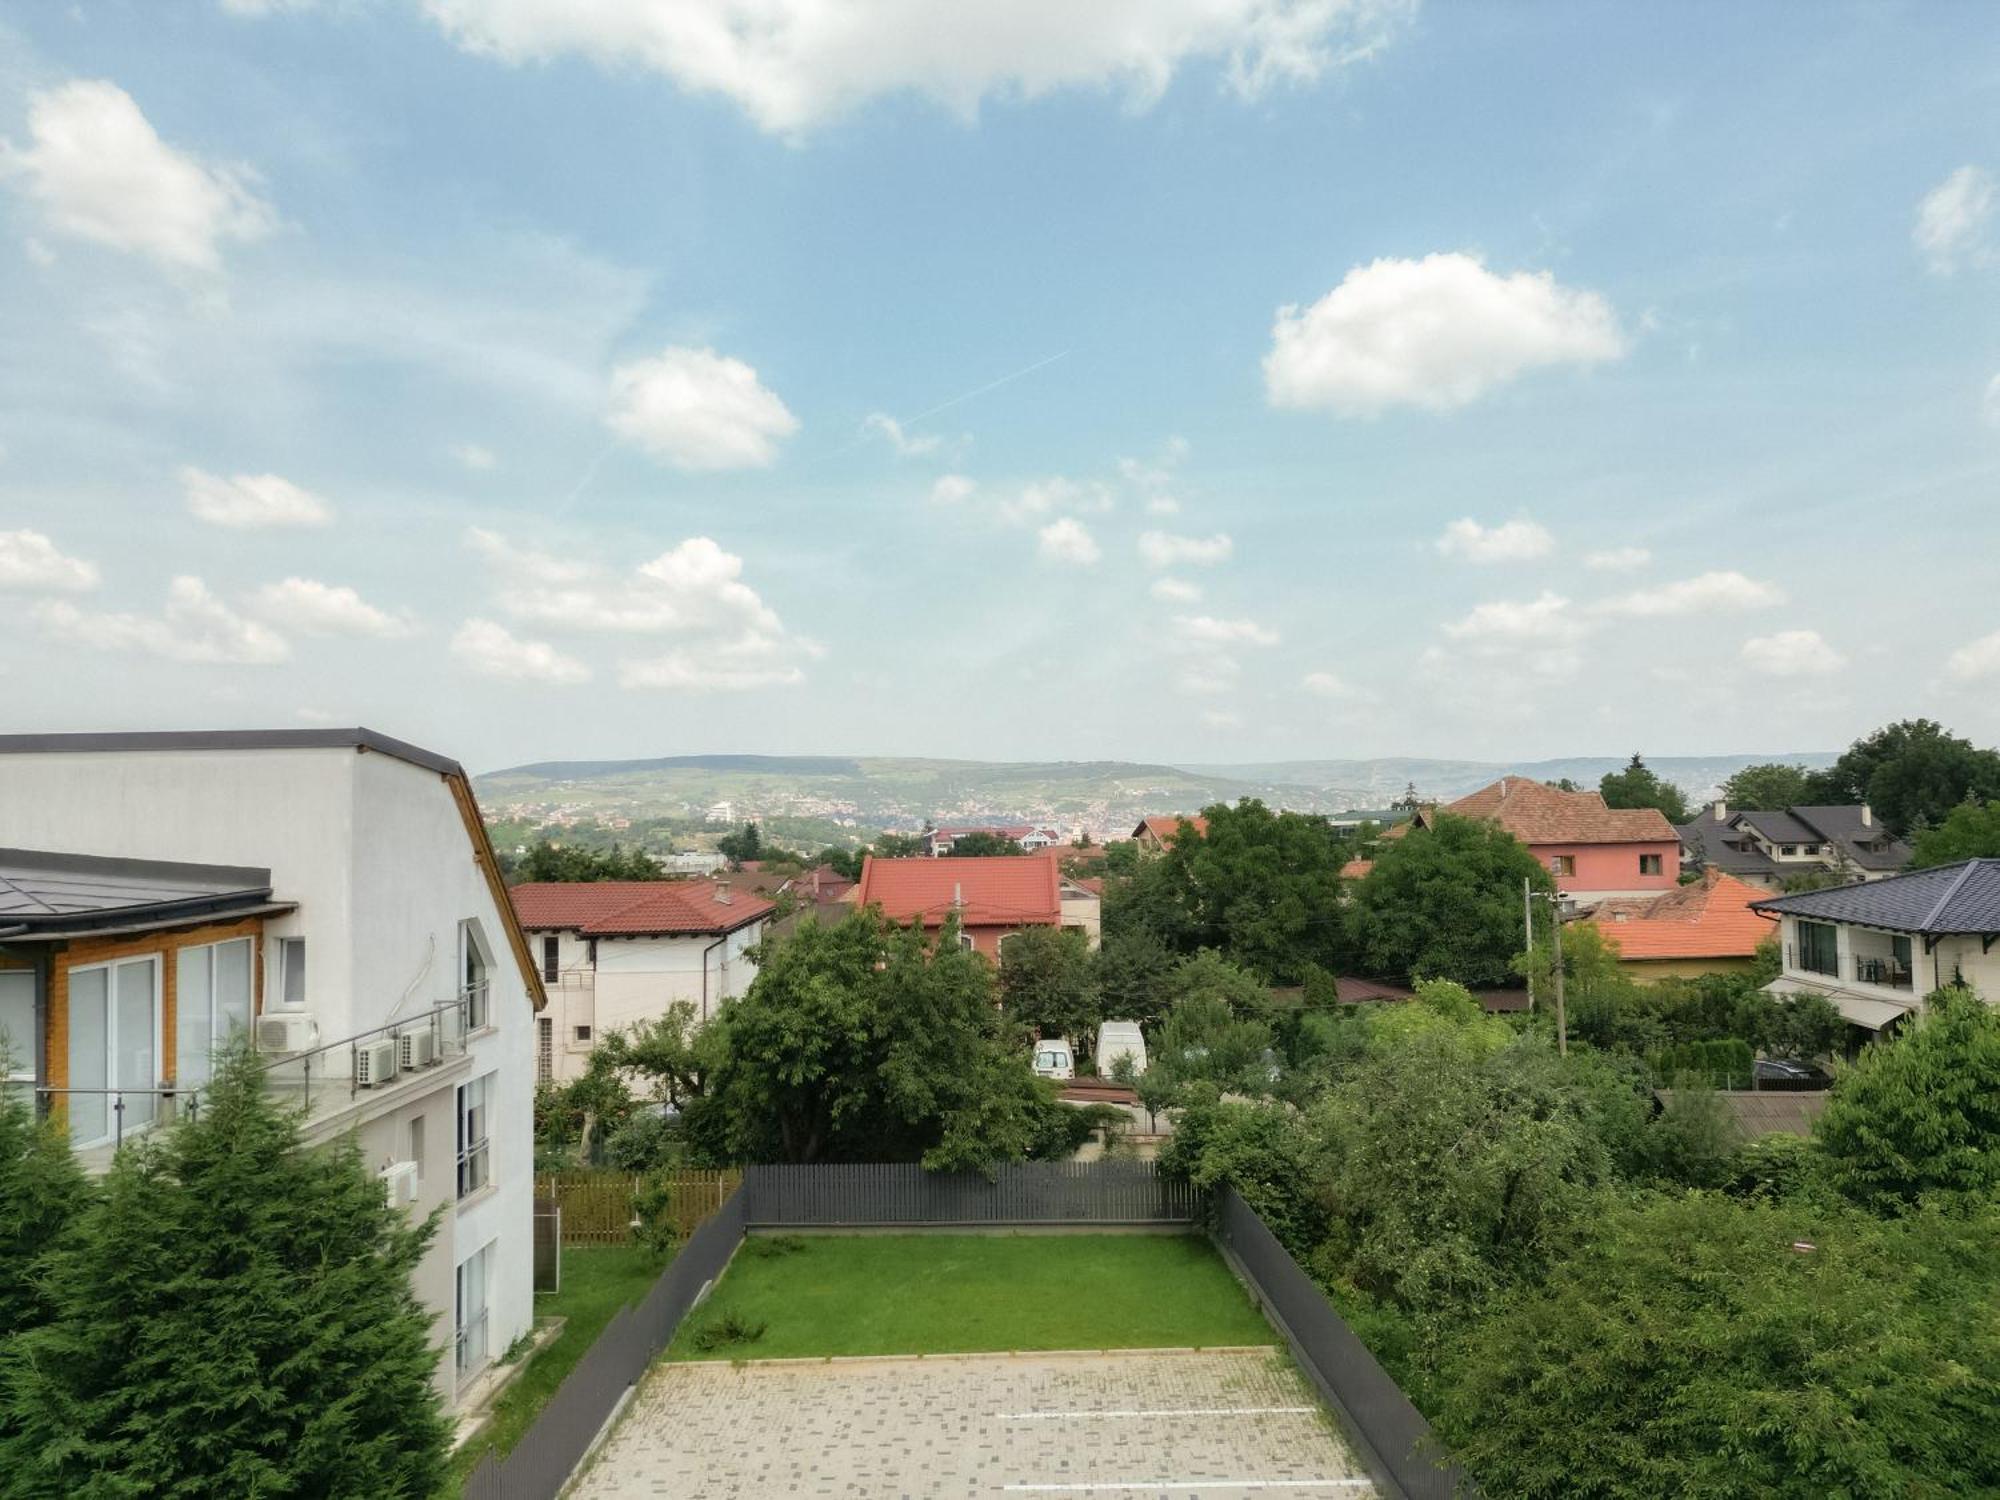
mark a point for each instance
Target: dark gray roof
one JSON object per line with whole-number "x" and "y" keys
{"x": 230, "y": 739}
{"x": 43, "y": 893}
{"x": 1960, "y": 898}
{"x": 1708, "y": 841}
{"x": 1780, "y": 827}
{"x": 1843, "y": 826}
{"x": 1868, "y": 846}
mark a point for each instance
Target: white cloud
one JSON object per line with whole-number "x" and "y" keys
{"x": 696, "y": 409}
{"x": 1710, "y": 593}
{"x": 474, "y": 457}
{"x": 952, "y": 489}
{"x": 246, "y": 501}
{"x": 1950, "y": 231}
{"x": 492, "y": 650}
{"x": 1518, "y": 540}
{"x": 1792, "y": 653}
{"x": 1057, "y": 493}
{"x": 791, "y": 64}
{"x": 310, "y": 607}
{"x": 1163, "y": 549}
{"x": 1163, "y": 505}
{"x": 905, "y": 445}
{"x": 1176, "y": 591}
{"x": 1325, "y": 685}
{"x": 195, "y": 627}
{"x": 97, "y": 170}
{"x": 29, "y": 560}
{"x": 1975, "y": 661}
{"x": 1221, "y": 718}
{"x": 1068, "y": 541}
{"x": 1212, "y": 631}
{"x": 1618, "y": 559}
{"x": 1543, "y": 618}
{"x": 722, "y": 633}
{"x": 1438, "y": 332}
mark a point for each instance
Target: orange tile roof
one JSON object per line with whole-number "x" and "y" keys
{"x": 1536, "y": 813}
{"x": 1710, "y": 918}
{"x": 634, "y": 908}
{"x": 1356, "y": 869}
{"x": 1165, "y": 827}
{"x": 999, "y": 890}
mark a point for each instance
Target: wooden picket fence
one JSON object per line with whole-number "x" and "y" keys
{"x": 597, "y": 1204}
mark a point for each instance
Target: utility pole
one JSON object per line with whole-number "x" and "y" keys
{"x": 1562, "y": 1020}
{"x": 1528, "y": 923}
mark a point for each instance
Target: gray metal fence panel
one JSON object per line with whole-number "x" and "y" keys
{"x": 1036, "y": 1192}
{"x": 1395, "y": 1441}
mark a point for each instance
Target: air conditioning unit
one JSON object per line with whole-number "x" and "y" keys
{"x": 375, "y": 1062}
{"x": 419, "y": 1050}
{"x": 286, "y": 1033}
{"x": 399, "y": 1181}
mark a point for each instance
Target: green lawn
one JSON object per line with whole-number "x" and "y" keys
{"x": 943, "y": 1294}
{"x": 597, "y": 1280}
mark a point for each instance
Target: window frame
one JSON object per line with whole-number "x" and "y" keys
{"x": 1562, "y": 864}
{"x": 463, "y": 1331}
{"x": 1801, "y": 946}
{"x": 551, "y": 957}
{"x": 213, "y": 952}
{"x": 475, "y": 1153}
{"x": 475, "y": 976}
{"x": 1652, "y": 864}
{"x": 24, "y": 1067}
{"x": 286, "y": 946}
{"x": 113, "y": 1129}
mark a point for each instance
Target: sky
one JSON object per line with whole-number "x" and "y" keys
{"x": 1167, "y": 380}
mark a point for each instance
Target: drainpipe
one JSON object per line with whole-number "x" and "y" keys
{"x": 704, "y": 971}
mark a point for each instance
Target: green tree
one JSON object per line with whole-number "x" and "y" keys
{"x": 1920, "y": 1114}
{"x": 1771, "y": 786}
{"x": 845, "y": 863}
{"x": 741, "y": 847}
{"x": 1445, "y": 902}
{"x": 1912, "y": 772}
{"x": 1133, "y": 967}
{"x": 569, "y": 863}
{"x": 1048, "y": 982}
{"x": 232, "y": 1315}
{"x": 858, "y": 1041}
{"x": 1761, "y": 1351}
{"x": 898, "y": 846}
{"x": 42, "y": 1190}
{"x": 982, "y": 844}
{"x": 1203, "y": 1041}
{"x": 1637, "y": 786}
{"x": 1970, "y": 830}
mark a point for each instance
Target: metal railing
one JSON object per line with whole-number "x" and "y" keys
{"x": 168, "y": 1102}
{"x": 332, "y": 1069}
{"x": 1884, "y": 969}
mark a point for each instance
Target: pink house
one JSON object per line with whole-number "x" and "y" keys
{"x": 1593, "y": 851}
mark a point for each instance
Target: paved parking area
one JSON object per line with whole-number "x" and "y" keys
{"x": 1171, "y": 1424}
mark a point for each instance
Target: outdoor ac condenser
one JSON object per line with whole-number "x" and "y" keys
{"x": 419, "y": 1050}
{"x": 375, "y": 1062}
{"x": 399, "y": 1181}
{"x": 285, "y": 1033}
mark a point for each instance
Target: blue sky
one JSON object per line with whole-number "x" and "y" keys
{"x": 1189, "y": 380}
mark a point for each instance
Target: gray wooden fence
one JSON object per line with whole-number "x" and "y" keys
{"x": 1391, "y": 1435}
{"x": 1109, "y": 1193}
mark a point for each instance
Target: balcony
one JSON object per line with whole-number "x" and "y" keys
{"x": 1884, "y": 969}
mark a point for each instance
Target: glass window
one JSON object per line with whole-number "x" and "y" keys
{"x": 474, "y": 1104}
{"x": 114, "y": 1017}
{"x": 292, "y": 970}
{"x": 211, "y": 1002}
{"x": 1789, "y": 849}
{"x": 1818, "y": 948}
{"x": 472, "y": 976}
{"x": 17, "y": 1024}
{"x": 417, "y": 1144}
{"x": 545, "y": 1049}
{"x": 551, "y": 958}
{"x": 583, "y": 1033}
{"x": 1649, "y": 864}
{"x": 473, "y": 1274}
{"x": 1562, "y": 864}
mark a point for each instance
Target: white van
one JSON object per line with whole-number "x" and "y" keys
{"x": 1116, "y": 1039}
{"x": 1053, "y": 1059}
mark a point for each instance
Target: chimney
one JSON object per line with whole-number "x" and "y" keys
{"x": 723, "y": 894}
{"x": 1720, "y": 809}
{"x": 1867, "y": 816}
{"x": 957, "y": 895}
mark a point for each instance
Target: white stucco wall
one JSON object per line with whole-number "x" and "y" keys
{"x": 375, "y": 854}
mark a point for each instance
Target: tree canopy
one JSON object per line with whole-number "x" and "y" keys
{"x": 566, "y": 862}
{"x": 1970, "y": 830}
{"x": 1769, "y": 787}
{"x": 982, "y": 843}
{"x": 1637, "y": 786}
{"x": 1048, "y": 982}
{"x": 1445, "y": 902}
{"x": 42, "y": 1191}
{"x": 742, "y": 846}
{"x": 1911, "y": 773}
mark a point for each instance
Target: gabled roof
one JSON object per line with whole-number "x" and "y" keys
{"x": 1000, "y": 890}
{"x": 1779, "y": 827}
{"x": 1536, "y": 813}
{"x": 636, "y": 908}
{"x": 1851, "y": 830}
{"x": 1164, "y": 826}
{"x": 48, "y": 894}
{"x": 1868, "y": 844}
{"x": 1950, "y": 899}
{"x": 1710, "y": 918}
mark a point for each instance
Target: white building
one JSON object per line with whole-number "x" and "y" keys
{"x": 613, "y": 953}
{"x": 334, "y": 891}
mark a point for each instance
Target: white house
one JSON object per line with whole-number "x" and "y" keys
{"x": 1875, "y": 950}
{"x": 615, "y": 952}
{"x": 334, "y": 892}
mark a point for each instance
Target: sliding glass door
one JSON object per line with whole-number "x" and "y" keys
{"x": 114, "y": 1043}
{"x": 211, "y": 1003}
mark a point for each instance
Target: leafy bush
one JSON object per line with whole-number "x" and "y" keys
{"x": 723, "y": 1330}
{"x": 1724, "y": 1064}
{"x": 773, "y": 1246}
{"x": 653, "y": 1207}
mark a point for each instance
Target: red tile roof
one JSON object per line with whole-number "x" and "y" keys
{"x": 1536, "y": 813}
{"x": 1165, "y": 827}
{"x": 634, "y": 908}
{"x": 1002, "y": 890}
{"x": 1356, "y": 869}
{"x": 1709, "y": 919}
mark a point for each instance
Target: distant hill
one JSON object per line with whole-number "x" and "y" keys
{"x": 1105, "y": 797}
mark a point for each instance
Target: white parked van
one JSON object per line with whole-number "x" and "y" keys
{"x": 1053, "y": 1059}
{"x": 1116, "y": 1039}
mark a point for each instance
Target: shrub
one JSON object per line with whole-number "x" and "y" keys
{"x": 723, "y": 1330}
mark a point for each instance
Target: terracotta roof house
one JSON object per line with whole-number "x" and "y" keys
{"x": 1704, "y": 928}
{"x": 616, "y": 952}
{"x": 1593, "y": 851}
{"x": 993, "y": 896}
{"x": 1030, "y": 836}
{"x": 1155, "y": 833}
{"x": 1876, "y": 949}
{"x": 1766, "y": 848}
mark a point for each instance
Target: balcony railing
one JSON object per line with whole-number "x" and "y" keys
{"x": 1883, "y": 969}
{"x": 133, "y": 1109}
{"x": 338, "y": 1073}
